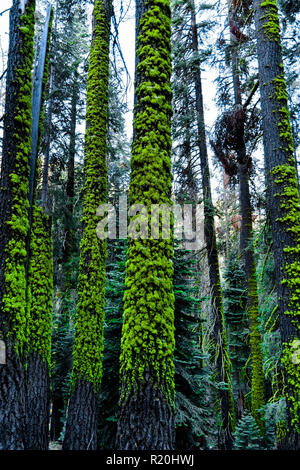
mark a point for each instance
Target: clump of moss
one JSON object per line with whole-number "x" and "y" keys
{"x": 88, "y": 347}
{"x": 147, "y": 346}
{"x": 14, "y": 300}
{"x": 271, "y": 25}
{"x": 291, "y": 364}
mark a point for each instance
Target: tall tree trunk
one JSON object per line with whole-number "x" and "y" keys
{"x": 81, "y": 427}
{"x": 147, "y": 348}
{"x": 283, "y": 203}
{"x": 14, "y": 223}
{"x": 220, "y": 348}
{"x": 246, "y": 247}
{"x": 39, "y": 273}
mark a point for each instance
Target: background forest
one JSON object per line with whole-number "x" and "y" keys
{"x": 144, "y": 344}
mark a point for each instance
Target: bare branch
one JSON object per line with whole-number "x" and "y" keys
{"x": 4, "y": 11}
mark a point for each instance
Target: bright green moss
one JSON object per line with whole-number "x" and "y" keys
{"x": 271, "y": 25}
{"x": 285, "y": 179}
{"x": 291, "y": 363}
{"x": 148, "y": 344}
{"x": 40, "y": 285}
{"x": 14, "y": 300}
{"x": 281, "y": 431}
{"x": 88, "y": 347}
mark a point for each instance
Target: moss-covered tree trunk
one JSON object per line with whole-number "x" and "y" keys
{"x": 147, "y": 347}
{"x": 39, "y": 274}
{"x": 81, "y": 430}
{"x": 283, "y": 203}
{"x": 14, "y": 224}
{"x": 246, "y": 233}
{"x": 219, "y": 339}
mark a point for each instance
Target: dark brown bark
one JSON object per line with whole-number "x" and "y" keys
{"x": 81, "y": 427}
{"x": 142, "y": 426}
{"x": 269, "y": 61}
{"x": 37, "y": 404}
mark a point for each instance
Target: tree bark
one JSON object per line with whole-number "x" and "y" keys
{"x": 141, "y": 425}
{"x": 37, "y": 405}
{"x": 81, "y": 429}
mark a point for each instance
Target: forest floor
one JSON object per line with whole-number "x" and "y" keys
{"x": 55, "y": 445}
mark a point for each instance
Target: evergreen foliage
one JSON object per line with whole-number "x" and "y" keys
{"x": 192, "y": 417}
{"x": 247, "y": 434}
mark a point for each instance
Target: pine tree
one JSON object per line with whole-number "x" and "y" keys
{"x": 283, "y": 200}
{"x": 235, "y": 298}
{"x": 192, "y": 418}
{"x": 247, "y": 434}
{"x": 109, "y": 393}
